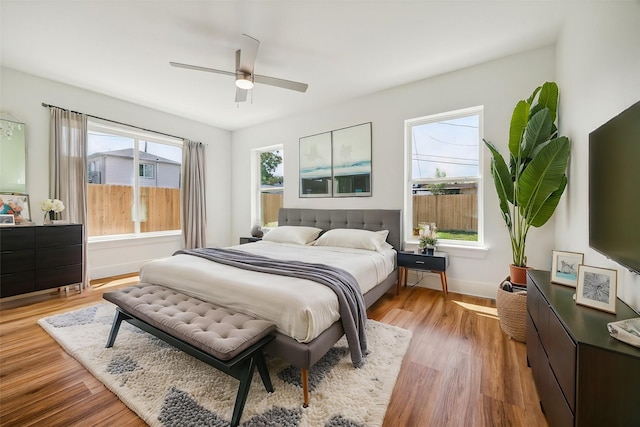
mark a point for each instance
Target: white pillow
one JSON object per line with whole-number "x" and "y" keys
{"x": 292, "y": 234}
{"x": 353, "y": 238}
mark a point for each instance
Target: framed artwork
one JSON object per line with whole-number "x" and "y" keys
{"x": 7, "y": 219}
{"x": 351, "y": 163}
{"x": 315, "y": 165}
{"x": 336, "y": 163}
{"x": 597, "y": 288}
{"x": 16, "y": 204}
{"x": 564, "y": 267}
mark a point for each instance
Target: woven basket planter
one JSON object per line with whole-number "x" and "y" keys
{"x": 512, "y": 311}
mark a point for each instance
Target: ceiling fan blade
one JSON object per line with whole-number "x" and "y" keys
{"x": 285, "y": 84}
{"x": 241, "y": 95}
{"x": 198, "y": 68}
{"x": 248, "y": 52}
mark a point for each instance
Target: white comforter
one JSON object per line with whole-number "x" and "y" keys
{"x": 301, "y": 309}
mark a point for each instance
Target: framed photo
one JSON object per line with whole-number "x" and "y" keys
{"x": 16, "y": 204}
{"x": 597, "y": 288}
{"x": 7, "y": 219}
{"x": 564, "y": 267}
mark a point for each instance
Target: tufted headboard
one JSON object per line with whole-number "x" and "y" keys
{"x": 327, "y": 219}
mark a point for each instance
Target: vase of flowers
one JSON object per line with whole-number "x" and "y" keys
{"x": 51, "y": 209}
{"x": 428, "y": 240}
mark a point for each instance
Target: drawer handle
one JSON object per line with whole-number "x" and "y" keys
{"x": 419, "y": 262}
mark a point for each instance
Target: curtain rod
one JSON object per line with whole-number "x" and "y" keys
{"x": 113, "y": 121}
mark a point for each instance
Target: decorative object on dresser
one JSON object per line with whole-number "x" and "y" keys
{"x": 256, "y": 231}
{"x": 597, "y": 288}
{"x": 35, "y": 258}
{"x": 564, "y": 267}
{"x": 16, "y": 204}
{"x": 7, "y": 219}
{"x": 428, "y": 237}
{"x": 531, "y": 182}
{"x": 52, "y": 209}
{"x": 584, "y": 377}
{"x": 436, "y": 263}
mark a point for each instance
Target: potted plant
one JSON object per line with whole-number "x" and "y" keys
{"x": 428, "y": 238}
{"x": 530, "y": 187}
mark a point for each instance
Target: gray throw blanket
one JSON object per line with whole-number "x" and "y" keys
{"x": 352, "y": 310}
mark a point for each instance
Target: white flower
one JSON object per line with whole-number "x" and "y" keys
{"x": 52, "y": 205}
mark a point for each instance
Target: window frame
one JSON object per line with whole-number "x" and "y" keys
{"x": 256, "y": 182}
{"x": 409, "y": 238}
{"x": 103, "y": 126}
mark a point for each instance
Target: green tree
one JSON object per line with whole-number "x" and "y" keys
{"x": 438, "y": 188}
{"x": 269, "y": 162}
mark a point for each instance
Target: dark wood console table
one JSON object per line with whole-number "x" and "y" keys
{"x": 584, "y": 377}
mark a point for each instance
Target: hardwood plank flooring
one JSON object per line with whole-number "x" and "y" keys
{"x": 460, "y": 370}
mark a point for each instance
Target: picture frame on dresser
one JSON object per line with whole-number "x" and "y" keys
{"x": 16, "y": 204}
{"x": 597, "y": 288}
{"x": 564, "y": 267}
{"x": 7, "y": 219}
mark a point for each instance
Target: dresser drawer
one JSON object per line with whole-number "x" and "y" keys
{"x": 58, "y": 235}
{"x": 59, "y": 256}
{"x": 555, "y": 406}
{"x": 17, "y": 283}
{"x": 562, "y": 357}
{"x": 54, "y": 277}
{"x": 15, "y": 238}
{"x": 421, "y": 262}
{"x": 13, "y": 261}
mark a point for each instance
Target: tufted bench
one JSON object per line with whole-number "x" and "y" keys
{"x": 230, "y": 342}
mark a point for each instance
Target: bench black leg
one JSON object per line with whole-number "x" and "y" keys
{"x": 246, "y": 374}
{"x": 263, "y": 370}
{"x": 115, "y": 327}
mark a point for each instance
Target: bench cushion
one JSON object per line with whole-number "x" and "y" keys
{"x": 213, "y": 329}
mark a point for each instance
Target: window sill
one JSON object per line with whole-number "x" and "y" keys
{"x": 133, "y": 239}
{"x": 453, "y": 250}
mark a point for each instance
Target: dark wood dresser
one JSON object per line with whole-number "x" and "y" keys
{"x": 584, "y": 377}
{"x": 39, "y": 257}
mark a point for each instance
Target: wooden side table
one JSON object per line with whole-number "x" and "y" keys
{"x": 415, "y": 261}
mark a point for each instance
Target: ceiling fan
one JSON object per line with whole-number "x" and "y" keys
{"x": 245, "y": 78}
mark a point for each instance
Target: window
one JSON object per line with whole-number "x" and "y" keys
{"x": 133, "y": 181}
{"x": 444, "y": 176}
{"x": 146, "y": 170}
{"x": 269, "y": 178}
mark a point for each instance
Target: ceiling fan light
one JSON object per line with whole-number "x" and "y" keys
{"x": 244, "y": 82}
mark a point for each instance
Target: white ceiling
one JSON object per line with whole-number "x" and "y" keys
{"x": 343, "y": 48}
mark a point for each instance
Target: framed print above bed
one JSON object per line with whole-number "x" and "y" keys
{"x": 336, "y": 163}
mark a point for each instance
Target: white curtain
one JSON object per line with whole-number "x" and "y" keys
{"x": 194, "y": 213}
{"x": 68, "y": 170}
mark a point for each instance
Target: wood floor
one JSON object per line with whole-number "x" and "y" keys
{"x": 460, "y": 370}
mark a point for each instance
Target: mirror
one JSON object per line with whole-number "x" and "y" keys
{"x": 12, "y": 156}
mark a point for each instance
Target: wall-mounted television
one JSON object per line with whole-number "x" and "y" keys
{"x": 614, "y": 188}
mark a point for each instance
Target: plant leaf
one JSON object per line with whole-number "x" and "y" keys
{"x": 538, "y": 130}
{"x": 549, "y": 99}
{"x": 542, "y": 177}
{"x": 519, "y": 121}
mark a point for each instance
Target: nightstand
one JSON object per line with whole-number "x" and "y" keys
{"x": 244, "y": 240}
{"x": 436, "y": 263}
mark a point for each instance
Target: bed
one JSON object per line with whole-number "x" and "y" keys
{"x": 302, "y": 336}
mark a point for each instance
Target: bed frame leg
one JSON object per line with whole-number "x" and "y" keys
{"x": 305, "y": 387}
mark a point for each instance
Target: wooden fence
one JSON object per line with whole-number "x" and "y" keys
{"x": 111, "y": 209}
{"x": 271, "y": 204}
{"x": 448, "y": 211}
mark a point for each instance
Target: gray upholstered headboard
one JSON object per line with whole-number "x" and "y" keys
{"x": 327, "y": 219}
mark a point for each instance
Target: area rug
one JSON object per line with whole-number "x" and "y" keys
{"x": 167, "y": 387}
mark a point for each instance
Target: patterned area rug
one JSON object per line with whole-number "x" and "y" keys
{"x": 166, "y": 387}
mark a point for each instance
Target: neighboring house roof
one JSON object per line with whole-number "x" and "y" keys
{"x": 128, "y": 154}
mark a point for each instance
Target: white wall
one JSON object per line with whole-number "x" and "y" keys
{"x": 22, "y": 96}
{"x": 598, "y": 70}
{"x": 497, "y": 85}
